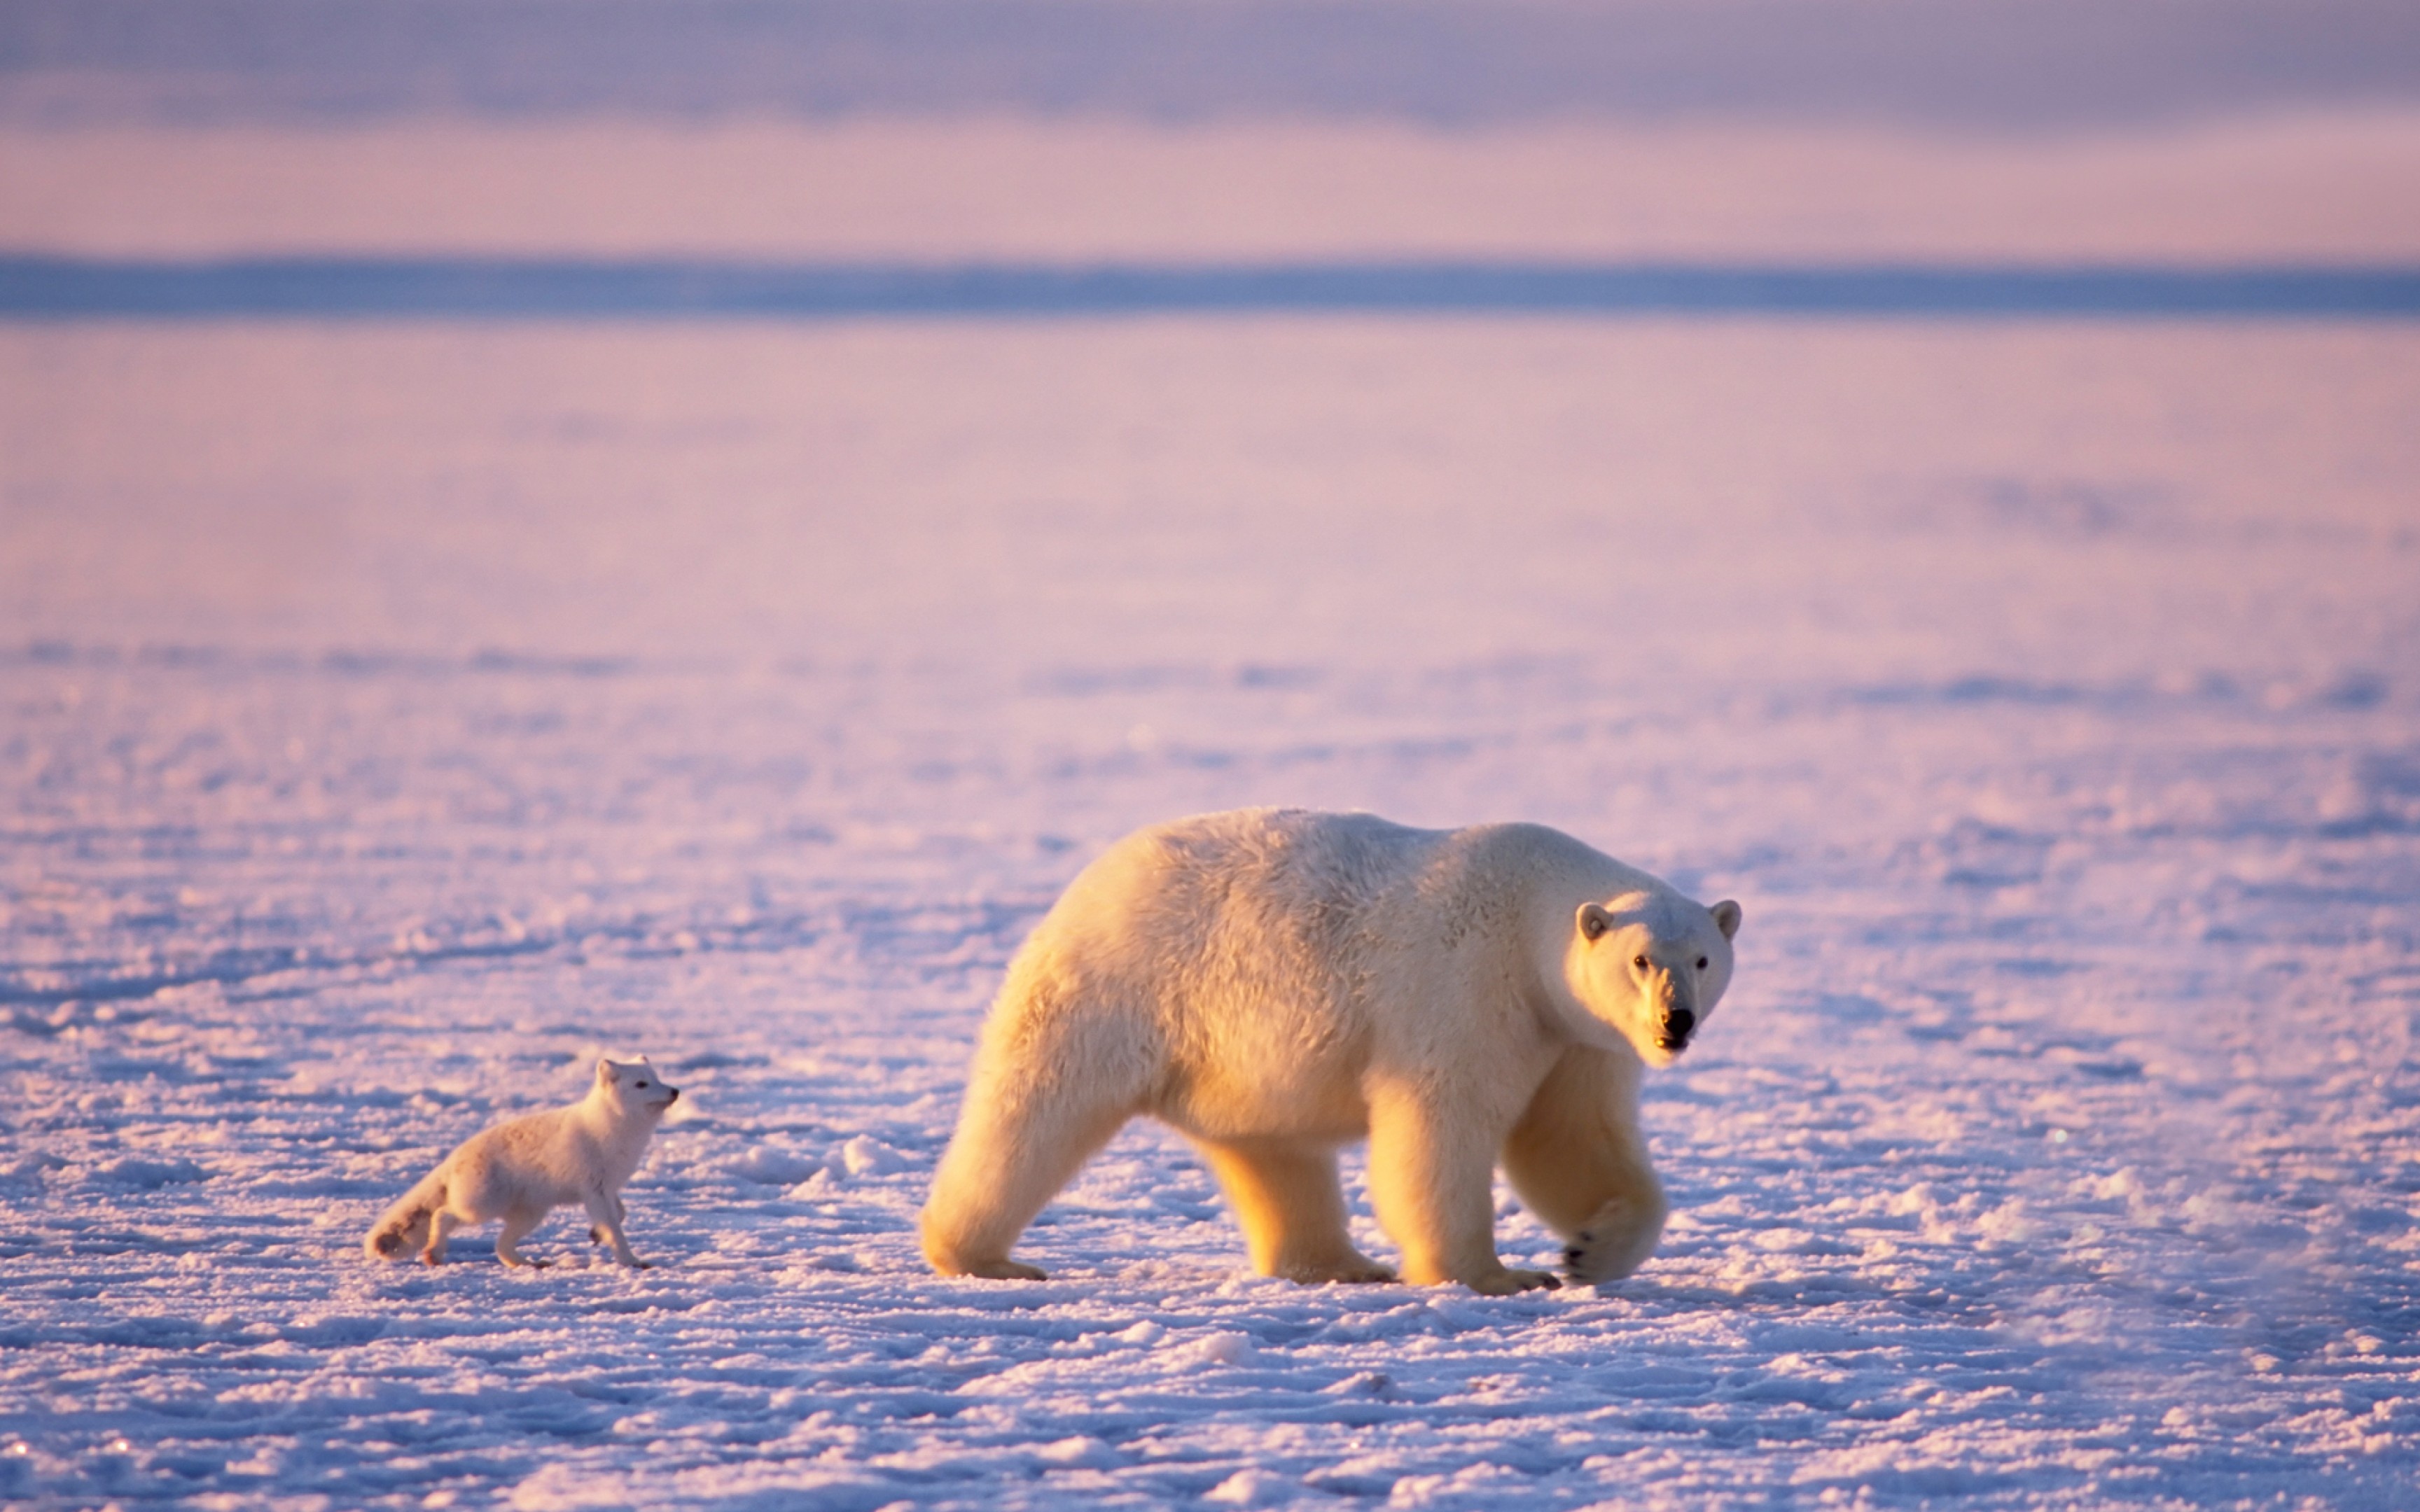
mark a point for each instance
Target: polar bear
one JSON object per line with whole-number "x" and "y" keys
{"x": 1275, "y": 983}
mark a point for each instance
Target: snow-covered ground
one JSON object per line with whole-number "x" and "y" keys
{"x": 392, "y": 719}
{"x": 395, "y": 717}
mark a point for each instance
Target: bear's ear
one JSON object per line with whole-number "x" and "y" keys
{"x": 1594, "y": 920}
{"x": 1727, "y": 917}
{"x": 604, "y": 1068}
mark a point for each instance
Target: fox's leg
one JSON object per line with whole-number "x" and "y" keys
{"x": 440, "y": 1224}
{"x": 621, "y": 1215}
{"x": 605, "y": 1213}
{"x": 517, "y": 1223}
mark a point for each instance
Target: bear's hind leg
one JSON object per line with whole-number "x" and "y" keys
{"x": 1579, "y": 1160}
{"x": 1014, "y": 1150}
{"x": 1292, "y": 1210}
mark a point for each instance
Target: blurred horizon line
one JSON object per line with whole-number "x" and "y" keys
{"x": 62, "y": 289}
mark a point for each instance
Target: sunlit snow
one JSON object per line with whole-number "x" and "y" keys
{"x": 397, "y": 718}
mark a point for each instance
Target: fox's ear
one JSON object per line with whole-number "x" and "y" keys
{"x": 604, "y": 1069}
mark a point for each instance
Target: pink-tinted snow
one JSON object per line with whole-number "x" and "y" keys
{"x": 395, "y": 716}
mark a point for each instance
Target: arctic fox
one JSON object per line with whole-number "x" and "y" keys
{"x": 521, "y": 1170}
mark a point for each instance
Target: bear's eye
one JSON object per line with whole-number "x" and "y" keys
{"x": 1638, "y": 961}
{"x": 1701, "y": 963}
{"x": 643, "y": 1084}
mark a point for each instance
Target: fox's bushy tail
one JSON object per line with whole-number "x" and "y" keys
{"x": 405, "y": 1229}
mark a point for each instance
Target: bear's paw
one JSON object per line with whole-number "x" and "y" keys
{"x": 1615, "y": 1244}
{"x": 1507, "y": 1282}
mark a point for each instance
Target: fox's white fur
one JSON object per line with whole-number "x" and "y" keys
{"x": 521, "y": 1170}
{"x": 1275, "y": 983}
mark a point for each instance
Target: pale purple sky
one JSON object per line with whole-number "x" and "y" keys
{"x": 1966, "y": 65}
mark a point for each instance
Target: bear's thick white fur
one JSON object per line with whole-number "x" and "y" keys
{"x": 1275, "y": 983}
{"x": 523, "y": 1169}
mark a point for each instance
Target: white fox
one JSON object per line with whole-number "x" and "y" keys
{"x": 523, "y": 1169}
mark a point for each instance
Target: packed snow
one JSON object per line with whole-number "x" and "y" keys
{"x": 399, "y": 718}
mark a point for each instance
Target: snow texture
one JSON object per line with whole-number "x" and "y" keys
{"x": 394, "y": 718}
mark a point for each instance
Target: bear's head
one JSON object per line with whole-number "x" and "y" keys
{"x": 1651, "y": 966}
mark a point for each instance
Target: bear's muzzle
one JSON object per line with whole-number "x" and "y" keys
{"x": 1674, "y": 1035}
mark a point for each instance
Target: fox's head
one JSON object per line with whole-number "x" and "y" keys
{"x": 633, "y": 1089}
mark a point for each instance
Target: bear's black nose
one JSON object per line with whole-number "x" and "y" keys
{"x": 1678, "y": 1023}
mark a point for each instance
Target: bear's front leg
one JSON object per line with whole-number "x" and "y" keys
{"x": 1579, "y": 1158}
{"x": 1617, "y": 1240}
{"x": 1291, "y": 1211}
{"x": 1431, "y": 1178}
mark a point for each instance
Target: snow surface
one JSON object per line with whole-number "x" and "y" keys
{"x": 392, "y": 719}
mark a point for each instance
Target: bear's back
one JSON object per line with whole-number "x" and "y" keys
{"x": 1240, "y": 908}
{"x": 1272, "y": 870}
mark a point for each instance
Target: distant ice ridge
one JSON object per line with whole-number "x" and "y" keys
{"x": 459, "y": 288}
